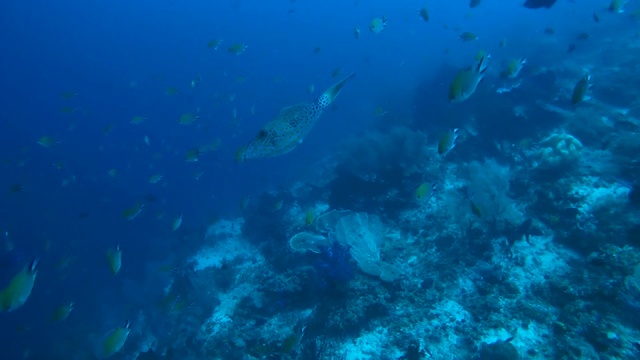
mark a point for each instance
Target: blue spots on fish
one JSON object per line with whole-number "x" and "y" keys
{"x": 282, "y": 134}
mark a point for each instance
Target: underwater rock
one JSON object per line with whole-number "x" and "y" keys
{"x": 559, "y": 150}
{"x": 500, "y": 350}
{"x": 634, "y": 196}
{"x": 306, "y": 241}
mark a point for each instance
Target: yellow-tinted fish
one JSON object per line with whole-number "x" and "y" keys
{"x": 69, "y": 94}
{"x": 19, "y": 288}
{"x": 278, "y": 205}
{"x": 468, "y": 36}
{"x": 582, "y": 36}
{"x": 424, "y": 13}
{"x": 214, "y": 44}
{"x": 155, "y": 178}
{"x": 133, "y": 212}
{"x": 447, "y": 142}
{"x": 47, "y": 141}
{"x": 68, "y": 109}
{"x": 136, "y": 120}
{"x": 580, "y": 89}
{"x": 115, "y": 340}
{"x": 114, "y": 258}
{"x": 237, "y": 48}
{"x": 475, "y": 208}
{"x": 112, "y": 172}
{"x": 282, "y": 134}
{"x": 107, "y": 129}
{"x": 425, "y": 190}
{"x": 480, "y": 54}
{"x": 513, "y": 68}
{"x": 187, "y": 119}
{"x": 379, "y": 111}
{"x": 16, "y": 188}
{"x": 309, "y": 217}
{"x": 617, "y": 6}
{"x": 195, "y": 82}
{"x": 62, "y": 312}
{"x": 171, "y": 91}
{"x": 193, "y": 155}
{"x": 378, "y": 24}
{"x": 244, "y": 202}
{"x": 466, "y": 81}
{"x": 212, "y": 146}
{"x": 175, "y": 225}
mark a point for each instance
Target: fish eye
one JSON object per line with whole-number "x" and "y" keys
{"x": 262, "y": 134}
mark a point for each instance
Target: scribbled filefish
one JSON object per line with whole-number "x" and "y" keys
{"x": 282, "y": 134}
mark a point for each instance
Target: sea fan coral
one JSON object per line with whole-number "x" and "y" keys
{"x": 364, "y": 234}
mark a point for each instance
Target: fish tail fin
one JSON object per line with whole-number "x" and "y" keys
{"x": 482, "y": 64}
{"x": 240, "y": 154}
{"x": 332, "y": 93}
{"x": 33, "y": 267}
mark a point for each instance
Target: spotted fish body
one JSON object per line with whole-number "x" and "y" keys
{"x": 282, "y": 134}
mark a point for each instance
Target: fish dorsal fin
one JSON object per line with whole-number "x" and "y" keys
{"x": 291, "y": 109}
{"x": 332, "y": 93}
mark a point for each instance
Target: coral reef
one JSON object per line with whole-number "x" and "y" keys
{"x": 559, "y": 150}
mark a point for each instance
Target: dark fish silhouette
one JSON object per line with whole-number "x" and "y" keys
{"x": 525, "y": 230}
{"x": 537, "y": 4}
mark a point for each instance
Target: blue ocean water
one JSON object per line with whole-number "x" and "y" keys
{"x": 75, "y": 73}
